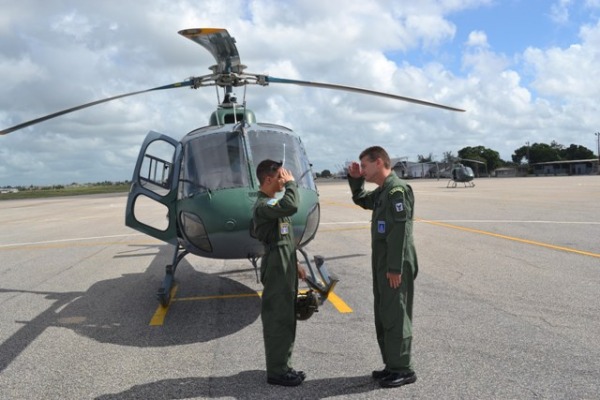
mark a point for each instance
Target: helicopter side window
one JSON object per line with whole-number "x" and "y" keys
{"x": 213, "y": 162}
{"x": 281, "y": 146}
{"x": 155, "y": 172}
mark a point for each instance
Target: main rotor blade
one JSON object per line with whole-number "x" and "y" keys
{"x": 271, "y": 79}
{"x": 222, "y": 47}
{"x": 475, "y": 161}
{"x": 93, "y": 103}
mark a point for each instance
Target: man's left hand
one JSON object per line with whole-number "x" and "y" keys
{"x": 301, "y": 272}
{"x": 394, "y": 279}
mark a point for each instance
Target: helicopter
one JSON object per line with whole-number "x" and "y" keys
{"x": 206, "y": 184}
{"x": 461, "y": 173}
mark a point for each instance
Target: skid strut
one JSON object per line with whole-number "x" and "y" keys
{"x": 164, "y": 292}
{"x": 318, "y": 278}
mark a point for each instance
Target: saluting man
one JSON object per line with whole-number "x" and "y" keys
{"x": 279, "y": 270}
{"x": 394, "y": 261}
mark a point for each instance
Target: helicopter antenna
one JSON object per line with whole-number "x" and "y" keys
{"x": 233, "y": 104}
{"x": 244, "y": 104}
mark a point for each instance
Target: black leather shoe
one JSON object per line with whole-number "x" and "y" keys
{"x": 290, "y": 378}
{"x": 396, "y": 379}
{"x": 380, "y": 374}
{"x": 301, "y": 374}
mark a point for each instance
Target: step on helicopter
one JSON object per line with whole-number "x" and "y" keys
{"x": 205, "y": 183}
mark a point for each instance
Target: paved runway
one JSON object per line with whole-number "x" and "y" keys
{"x": 507, "y": 302}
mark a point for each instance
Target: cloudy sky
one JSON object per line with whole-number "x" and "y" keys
{"x": 525, "y": 71}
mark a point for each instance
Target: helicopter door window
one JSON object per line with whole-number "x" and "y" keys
{"x": 213, "y": 162}
{"x": 155, "y": 173}
{"x": 281, "y": 146}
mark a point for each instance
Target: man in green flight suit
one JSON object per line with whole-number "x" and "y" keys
{"x": 279, "y": 270}
{"x": 394, "y": 261}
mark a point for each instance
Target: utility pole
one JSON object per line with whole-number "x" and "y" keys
{"x": 528, "y": 161}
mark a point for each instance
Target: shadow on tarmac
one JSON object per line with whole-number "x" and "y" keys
{"x": 118, "y": 311}
{"x": 246, "y": 385}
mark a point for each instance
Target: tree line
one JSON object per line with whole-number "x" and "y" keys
{"x": 528, "y": 154}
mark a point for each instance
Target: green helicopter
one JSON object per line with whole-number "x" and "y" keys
{"x": 205, "y": 183}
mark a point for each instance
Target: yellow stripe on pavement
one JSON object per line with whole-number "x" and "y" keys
{"x": 158, "y": 318}
{"x": 338, "y": 303}
{"x": 161, "y": 312}
{"x": 514, "y": 239}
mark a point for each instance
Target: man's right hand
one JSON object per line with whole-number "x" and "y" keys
{"x": 285, "y": 175}
{"x": 354, "y": 170}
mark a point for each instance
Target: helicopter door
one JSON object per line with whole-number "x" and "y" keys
{"x": 152, "y": 198}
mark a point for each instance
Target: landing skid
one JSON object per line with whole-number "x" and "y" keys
{"x": 452, "y": 183}
{"x": 318, "y": 277}
{"x": 164, "y": 292}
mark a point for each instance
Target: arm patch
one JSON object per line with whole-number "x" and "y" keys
{"x": 398, "y": 204}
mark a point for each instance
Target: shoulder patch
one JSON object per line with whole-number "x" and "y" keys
{"x": 399, "y": 206}
{"x": 396, "y": 190}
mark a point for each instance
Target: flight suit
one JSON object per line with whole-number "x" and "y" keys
{"x": 393, "y": 250}
{"x": 279, "y": 276}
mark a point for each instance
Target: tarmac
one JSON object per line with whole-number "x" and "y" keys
{"x": 506, "y": 302}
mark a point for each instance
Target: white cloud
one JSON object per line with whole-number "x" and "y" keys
{"x": 57, "y": 54}
{"x": 477, "y": 39}
{"x": 559, "y": 12}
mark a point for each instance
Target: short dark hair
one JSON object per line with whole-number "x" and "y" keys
{"x": 267, "y": 168}
{"x": 375, "y": 152}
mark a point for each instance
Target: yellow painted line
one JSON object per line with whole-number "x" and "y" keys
{"x": 514, "y": 239}
{"x": 161, "y": 312}
{"x": 338, "y": 303}
{"x": 224, "y": 296}
{"x": 357, "y": 228}
{"x": 337, "y": 203}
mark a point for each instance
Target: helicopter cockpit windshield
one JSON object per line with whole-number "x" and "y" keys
{"x": 281, "y": 146}
{"x": 219, "y": 163}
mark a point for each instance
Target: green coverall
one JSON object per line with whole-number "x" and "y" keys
{"x": 393, "y": 250}
{"x": 279, "y": 276}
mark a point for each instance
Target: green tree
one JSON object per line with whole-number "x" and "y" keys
{"x": 542, "y": 152}
{"x": 449, "y": 158}
{"x": 576, "y": 152}
{"x": 490, "y": 157}
{"x": 423, "y": 159}
{"x": 520, "y": 154}
{"x": 326, "y": 173}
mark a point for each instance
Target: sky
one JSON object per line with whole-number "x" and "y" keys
{"x": 524, "y": 70}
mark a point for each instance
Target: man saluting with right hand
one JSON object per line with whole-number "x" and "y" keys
{"x": 394, "y": 261}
